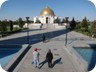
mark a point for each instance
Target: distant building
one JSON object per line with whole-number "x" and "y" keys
{"x": 46, "y": 16}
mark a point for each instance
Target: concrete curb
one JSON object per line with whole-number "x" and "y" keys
{"x": 16, "y": 59}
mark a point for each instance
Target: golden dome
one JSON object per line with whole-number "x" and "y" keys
{"x": 47, "y": 12}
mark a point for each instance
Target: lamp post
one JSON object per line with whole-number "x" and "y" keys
{"x": 66, "y": 24}
{"x": 27, "y": 20}
{"x": 66, "y": 35}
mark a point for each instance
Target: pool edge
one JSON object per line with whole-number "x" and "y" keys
{"x": 16, "y": 59}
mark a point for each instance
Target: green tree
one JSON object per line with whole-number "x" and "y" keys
{"x": 63, "y": 20}
{"x": 0, "y": 26}
{"x": 32, "y": 21}
{"x": 93, "y": 27}
{"x": 84, "y": 25}
{"x": 66, "y": 19}
{"x": 3, "y": 27}
{"x": 78, "y": 26}
{"x": 21, "y": 22}
{"x": 73, "y": 24}
{"x": 37, "y": 21}
{"x": 11, "y": 25}
{"x": 57, "y": 20}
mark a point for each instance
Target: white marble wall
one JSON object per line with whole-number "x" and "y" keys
{"x": 43, "y": 19}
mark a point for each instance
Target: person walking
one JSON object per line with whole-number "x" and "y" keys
{"x": 43, "y": 37}
{"x": 41, "y": 25}
{"x": 49, "y": 58}
{"x": 36, "y": 57}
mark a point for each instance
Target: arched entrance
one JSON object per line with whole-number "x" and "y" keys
{"x": 46, "y": 20}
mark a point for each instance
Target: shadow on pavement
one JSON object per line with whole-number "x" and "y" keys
{"x": 33, "y": 30}
{"x": 58, "y": 61}
{"x": 32, "y": 38}
{"x": 42, "y": 63}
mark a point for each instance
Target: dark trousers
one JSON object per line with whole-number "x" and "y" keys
{"x": 49, "y": 63}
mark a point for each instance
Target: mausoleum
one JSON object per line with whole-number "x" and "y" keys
{"x": 46, "y": 16}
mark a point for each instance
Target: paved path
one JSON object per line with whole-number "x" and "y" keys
{"x": 63, "y": 61}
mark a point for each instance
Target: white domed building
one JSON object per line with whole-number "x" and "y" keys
{"x": 47, "y": 16}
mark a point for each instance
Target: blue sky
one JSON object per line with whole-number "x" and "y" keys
{"x": 13, "y": 9}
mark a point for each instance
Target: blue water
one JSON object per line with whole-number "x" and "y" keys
{"x": 6, "y": 54}
{"x": 89, "y": 55}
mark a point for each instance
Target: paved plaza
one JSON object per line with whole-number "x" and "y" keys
{"x": 64, "y": 59}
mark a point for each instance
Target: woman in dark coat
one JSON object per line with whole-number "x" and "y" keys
{"x": 49, "y": 57}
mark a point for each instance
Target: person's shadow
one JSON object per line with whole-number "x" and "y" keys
{"x": 42, "y": 63}
{"x": 56, "y": 62}
{"x": 45, "y": 61}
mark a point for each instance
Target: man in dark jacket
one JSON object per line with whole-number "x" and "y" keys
{"x": 49, "y": 57}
